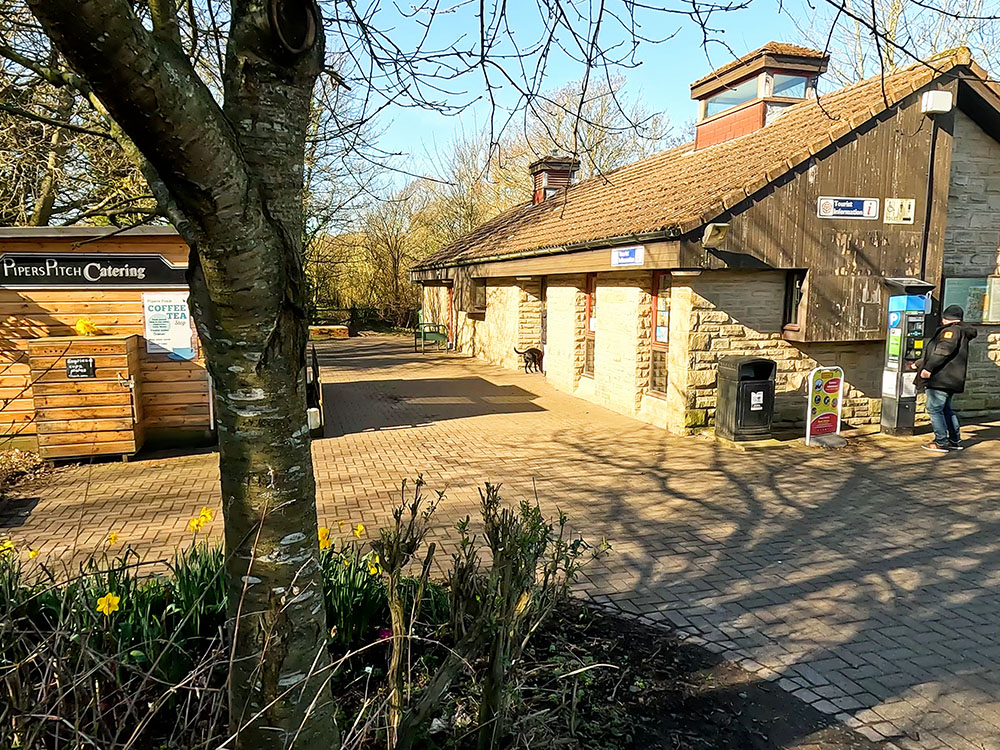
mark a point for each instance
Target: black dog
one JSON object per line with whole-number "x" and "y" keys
{"x": 532, "y": 359}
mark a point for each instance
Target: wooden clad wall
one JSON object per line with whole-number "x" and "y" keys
{"x": 77, "y": 417}
{"x": 175, "y": 394}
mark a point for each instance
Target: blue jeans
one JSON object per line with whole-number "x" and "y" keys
{"x": 943, "y": 419}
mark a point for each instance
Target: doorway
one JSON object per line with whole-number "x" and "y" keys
{"x": 544, "y": 296}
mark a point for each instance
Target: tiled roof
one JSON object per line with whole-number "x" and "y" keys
{"x": 771, "y": 48}
{"x": 682, "y": 189}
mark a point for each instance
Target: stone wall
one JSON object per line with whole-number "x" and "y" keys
{"x": 972, "y": 235}
{"x": 492, "y": 335}
{"x": 564, "y": 350}
{"x": 529, "y": 326}
{"x": 621, "y": 354}
{"x": 739, "y": 313}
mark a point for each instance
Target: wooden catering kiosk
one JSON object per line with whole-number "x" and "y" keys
{"x": 135, "y": 375}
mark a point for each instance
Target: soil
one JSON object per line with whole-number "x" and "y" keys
{"x": 676, "y": 696}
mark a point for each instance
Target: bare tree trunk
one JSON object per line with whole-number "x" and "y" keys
{"x": 41, "y": 213}
{"x": 231, "y": 179}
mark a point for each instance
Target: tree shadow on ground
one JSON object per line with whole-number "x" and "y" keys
{"x": 860, "y": 577}
{"x": 411, "y": 403}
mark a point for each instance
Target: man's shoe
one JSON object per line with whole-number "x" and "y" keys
{"x": 956, "y": 446}
{"x": 934, "y": 447}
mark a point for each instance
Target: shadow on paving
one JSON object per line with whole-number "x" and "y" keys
{"x": 411, "y": 403}
{"x": 879, "y": 582}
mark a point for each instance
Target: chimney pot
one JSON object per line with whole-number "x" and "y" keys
{"x": 550, "y": 174}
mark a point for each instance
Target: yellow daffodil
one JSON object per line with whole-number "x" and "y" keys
{"x": 112, "y": 538}
{"x": 347, "y": 562}
{"x": 33, "y": 553}
{"x": 324, "y": 537}
{"x": 84, "y": 327}
{"x": 359, "y": 530}
{"x": 374, "y": 568}
{"x": 108, "y": 604}
{"x": 6, "y": 546}
{"x": 195, "y": 524}
{"x": 340, "y": 524}
{"x": 207, "y": 514}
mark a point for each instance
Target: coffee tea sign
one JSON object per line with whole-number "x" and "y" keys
{"x": 88, "y": 271}
{"x": 168, "y": 328}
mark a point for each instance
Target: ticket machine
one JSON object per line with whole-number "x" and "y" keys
{"x": 909, "y": 305}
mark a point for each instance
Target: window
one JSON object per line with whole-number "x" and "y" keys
{"x": 479, "y": 295}
{"x": 793, "y": 87}
{"x": 731, "y": 97}
{"x": 660, "y": 333}
{"x": 589, "y": 333}
{"x": 794, "y": 283}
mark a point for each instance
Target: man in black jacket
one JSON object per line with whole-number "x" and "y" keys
{"x": 946, "y": 359}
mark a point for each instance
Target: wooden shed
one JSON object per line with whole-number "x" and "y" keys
{"x": 127, "y": 291}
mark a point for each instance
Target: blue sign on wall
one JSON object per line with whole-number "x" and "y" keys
{"x": 828, "y": 207}
{"x": 628, "y": 256}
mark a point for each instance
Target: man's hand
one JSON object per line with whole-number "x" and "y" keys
{"x": 925, "y": 374}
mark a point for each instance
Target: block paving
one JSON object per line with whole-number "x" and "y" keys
{"x": 865, "y": 581}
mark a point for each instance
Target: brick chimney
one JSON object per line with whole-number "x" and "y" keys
{"x": 550, "y": 174}
{"x": 747, "y": 94}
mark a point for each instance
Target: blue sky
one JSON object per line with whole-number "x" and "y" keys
{"x": 661, "y": 79}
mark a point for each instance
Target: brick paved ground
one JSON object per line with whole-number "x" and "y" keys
{"x": 864, "y": 580}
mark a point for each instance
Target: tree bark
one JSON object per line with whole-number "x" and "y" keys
{"x": 41, "y": 213}
{"x": 234, "y": 174}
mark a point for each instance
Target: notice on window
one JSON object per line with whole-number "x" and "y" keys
{"x": 967, "y": 293}
{"x": 168, "y": 328}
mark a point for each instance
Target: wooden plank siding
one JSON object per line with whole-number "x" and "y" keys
{"x": 86, "y": 429}
{"x": 846, "y": 259}
{"x": 173, "y": 394}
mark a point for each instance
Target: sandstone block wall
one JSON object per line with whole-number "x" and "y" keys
{"x": 566, "y": 313}
{"x": 740, "y": 313}
{"x": 972, "y": 236}
{"x": 492, "y": 335}
{"x": 621, "y": 354}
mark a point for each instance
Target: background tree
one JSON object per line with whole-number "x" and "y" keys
{"x": 869, "y": 37}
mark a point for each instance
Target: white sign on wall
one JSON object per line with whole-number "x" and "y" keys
{"x": 628, "y": 256}
{"x": 168, "y": 327}
{"x": 899, "y": 210}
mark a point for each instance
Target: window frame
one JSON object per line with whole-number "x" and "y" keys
{"x": 754, "y": 80}
{"x": 655, "y": 344}
{"x": 477, "y": 288}
{"x": 589, "y": 332}
{"x": 791, "y": 315}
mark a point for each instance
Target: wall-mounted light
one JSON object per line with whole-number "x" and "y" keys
{"x": 936, "y": 102}
{"x": 715, "y": 234}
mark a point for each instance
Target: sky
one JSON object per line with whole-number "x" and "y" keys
{"x": 661, "y": 80}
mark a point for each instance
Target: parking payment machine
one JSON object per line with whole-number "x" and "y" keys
{"x": 909, "y": 304}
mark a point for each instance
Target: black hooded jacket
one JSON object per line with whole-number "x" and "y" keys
{"x": 947, "y": 357}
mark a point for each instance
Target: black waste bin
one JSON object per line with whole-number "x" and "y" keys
{"x": 744, "y": 406}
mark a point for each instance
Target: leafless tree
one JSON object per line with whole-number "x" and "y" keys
{"x": 214, "y": 102}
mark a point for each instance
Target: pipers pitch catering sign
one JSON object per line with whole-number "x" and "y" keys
{"x": 88, "y": 271}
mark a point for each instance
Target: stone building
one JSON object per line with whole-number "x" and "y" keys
{"x": 771, "y": 234}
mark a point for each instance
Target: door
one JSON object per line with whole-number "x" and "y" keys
{"x": 452, "y": 344}
{"x": 544, "y": 295}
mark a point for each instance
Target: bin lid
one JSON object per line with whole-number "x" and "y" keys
{"x": 731, "y": 364}
{"x": 747, "y": 368}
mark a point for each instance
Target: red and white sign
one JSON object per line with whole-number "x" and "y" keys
{"x": 825, "y": 386}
